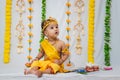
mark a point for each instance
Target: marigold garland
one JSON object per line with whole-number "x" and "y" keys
{"x": 107, "y": 40}
{"x": 7, "y": 36}
{"x": 91, "y": 31}
{"x": 68, "y": 12}
{"x": 30, "y": 25}
{"x": 68, "y": 4}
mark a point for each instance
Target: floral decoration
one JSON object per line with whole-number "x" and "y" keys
{"x": 68, "y": 21}
{"x": 20, "y": 8}
{"x": 30, "y": 26}
{"x": 91, "y": 31}
{"x": 7, "y": 34}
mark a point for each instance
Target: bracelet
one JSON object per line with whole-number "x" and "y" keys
{"x": 61, "y": 61}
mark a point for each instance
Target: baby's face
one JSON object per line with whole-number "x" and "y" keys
{"x": 52, "y": 31}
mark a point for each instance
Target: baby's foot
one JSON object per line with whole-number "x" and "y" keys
{"x": 26, "y": 72}
{"x": 38, "y": 73}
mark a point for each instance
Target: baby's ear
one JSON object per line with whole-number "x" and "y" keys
{"x": 45, "y": 33}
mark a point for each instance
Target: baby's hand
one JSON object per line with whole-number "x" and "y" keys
{"x": 57, "y": 61}
{"x": 34, "y": 60}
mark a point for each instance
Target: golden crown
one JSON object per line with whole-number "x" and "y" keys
{"x": 48, "y": 22}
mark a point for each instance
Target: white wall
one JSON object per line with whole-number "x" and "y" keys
{"x": 56, "y": 9}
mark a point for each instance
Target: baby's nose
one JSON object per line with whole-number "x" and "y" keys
{"x": 55, "y": 29}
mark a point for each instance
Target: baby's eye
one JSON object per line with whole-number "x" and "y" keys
{"x": 51, "y": 28}
{"x": 56, "y": 26}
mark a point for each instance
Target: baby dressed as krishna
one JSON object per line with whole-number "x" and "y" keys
{"x": 52, "y": 49}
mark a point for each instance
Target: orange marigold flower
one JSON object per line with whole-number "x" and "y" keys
{"x": 68, "y": 4}
{"x": 67, "y": 37}
{"x": 69, "y": 64}
{"x": 68, "y": 12}
{"x": 30, "y": 25}
{"x": 30, "y": 34}
{"x": 67, "y": 28}
{"x": 68, "y": 45}
{"x": 30, "y": 17}
{"x": 29, "y": 49}
{"x": 29, "y": 57}
{"x": 68, "y": 21}
{"x": 30, "y": 1}
{"x": 29, "y": 40}
{"x": 30, "y": 9}
{"x": 28, "y": 64}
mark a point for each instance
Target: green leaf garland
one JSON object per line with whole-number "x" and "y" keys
{"x": 43, "y": 10}
{"x": 43, "y": 18}
{"x": 107, "y": 25}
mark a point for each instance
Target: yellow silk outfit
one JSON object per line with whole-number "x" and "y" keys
{"x": 51, "y": 54}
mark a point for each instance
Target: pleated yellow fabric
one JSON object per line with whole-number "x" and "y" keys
{"x": 52, "y": 54}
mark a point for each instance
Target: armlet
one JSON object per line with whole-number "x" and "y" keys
{"x": 65, "y": 51}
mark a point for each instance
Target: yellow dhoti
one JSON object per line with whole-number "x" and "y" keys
{"x": 52, "y": 54}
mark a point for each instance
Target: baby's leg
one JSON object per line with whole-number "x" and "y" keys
{"x": 26, "y": 72}
{"x": 48, "y": 71}
{"x": 38, "y": 73}
{"x": 31, "y": 71}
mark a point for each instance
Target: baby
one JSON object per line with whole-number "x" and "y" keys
{"x": 52, "y": 49}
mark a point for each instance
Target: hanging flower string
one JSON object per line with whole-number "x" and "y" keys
{"x": 91, "y": 31}
{"x": 20, "y": 8}
{"x": 68, "y": 4}
{"x": 30, "y": 25}
{"x": 91, "y": 66}
{"x": 7, "y": 35}
{"x": 79, "y": 28}
{"x": 107, "y": 23}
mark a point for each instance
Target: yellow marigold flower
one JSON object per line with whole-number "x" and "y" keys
{"x": 30, "y": 17}
{"x": 67, "y": 28}
{"x": 91, "y": 49}
{"x": 6, "y": 61}
{"x": 29, "y": 49}
{"x": 68, "y": 21}
{"x": 30, "y": 1}
{"x": 30, "y": 34}
{"x": 29, "y": 57}
{"x": 7, "y": 31}
{"x": 30, "y": 9}
{"x": 68, "y": 4}
{"x": 68, "y": 12}
{"x": 68, "y": 45}
{"x": 29, "y": 40}
{"x": 30, "y": 25}
{"x": 67, "y": 37}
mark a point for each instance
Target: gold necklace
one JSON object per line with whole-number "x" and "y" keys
{"x": 53, "y": 42}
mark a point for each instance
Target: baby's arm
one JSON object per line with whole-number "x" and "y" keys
{"x": 39, "y": 56}
{"x": 64, "y": 53}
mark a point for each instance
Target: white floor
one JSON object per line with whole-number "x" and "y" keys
{"x": 98, "y": 75}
